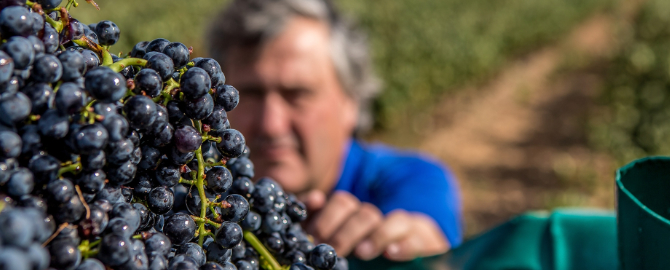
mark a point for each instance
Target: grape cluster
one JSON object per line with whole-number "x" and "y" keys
{"x": 129, "y": 162}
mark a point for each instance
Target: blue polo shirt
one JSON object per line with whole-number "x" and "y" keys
{"x": 393, "y": 179}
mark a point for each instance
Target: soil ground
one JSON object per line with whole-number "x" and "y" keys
{"x": 519, "y": 142}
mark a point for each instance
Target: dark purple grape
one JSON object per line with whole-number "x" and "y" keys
{"x": 69, "y": 98}
{"x": 274, "y": 243}
{"x": 149, "y": 82}
{"x": 134, "y": 137}
{"x": 213, "y": 69}
{"x": 162, "y": 135}
{"x": 218, "y": 179}
{"x": 73, "y": 64}
{"x": 217, "y": 119}
{"x": 119, "y": 152}
{"x": 50, "y": 39}
{"x": 91, "y": 138}
{"x": 150, "y": 158}
{"x": 108, "y": 32}
{"x": 14, "y": 109}
{"x": 49, "y": 4}
{"x": 91, "y": 264}
{"x": 17, "y": 228}
{"x": 20, "y": 183}
{"x": 53, "y": 125}
{"x": 94, "y": 161}
{"x": 228, "y": 235}
{"x": 162, "y": 64}
{"x": 194, "y": 251}
{"x": 117, "y": 127}
{"x": 160, "y": 200}
{"x": 179, "y": 158}
{"x": 140, "y": 111}
{"x": 195, "y": 83}
{"x": 218, "y": 254}
{"x": 91, "y": 181}
{"x": 121, "y": 174}
{"x": 46, "y": 69}
{"x": 296, "y": 210}
{"x": 6, "y": 67}
{"x": 227, "y": 96}
{"x": 232, "y": 143}
{"x": 187, "y": 139}
{"x": 242, "y": 186}
{"x": 157, "y": 45}
{"x": 158, "y": 243}
{"x": 9, "y": 88}
{"x": 74, "y": 30}
{"x": 64, "y": 255}
{"x": 128, "y": 213}
{"x": 105, "y": 109}
{"x": 295, "y": 256}
{"x": 111, "y": 194}
{"x": 167, "y": 175}
{"x": 94, "y": 225}
{"x": 38, "y": 256}
{"x": 178, "y": 52}
{"x": 142, "y": 185}
{"x": 91, "y": 35}
{"x": 10, "y": 144}
{"x": 69, "y": 211}
{"x": 31, "y": 141}
{"x": 16, "y": 21}
{"x": 244, "y": 265}
{"x": 238, "y": 210}
{"x": 323, "y": 256}
{"x": 241, "y": 167}
{"x": 41, "y": 95}
{"x": 119, "y": 226}
{"x": 199, "y": 108}
{"x": 174, "y": 112}
{"x": 180, "y": 228}
{"x": 105, "y": 85}
{"x": 90, "y": 58}
{"x": 38, "y": 45}
{"x": 139, "y": 50}
{"x": 272, "y": 222}
{"x": 114, "y": 250}
{"x": 300, "y": 266}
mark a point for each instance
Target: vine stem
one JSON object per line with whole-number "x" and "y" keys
{"x": 200, "y": 185}
{"x": 265, "y": 254}
{"x": 69, "y": 168}
{"x": 121, "y": 64}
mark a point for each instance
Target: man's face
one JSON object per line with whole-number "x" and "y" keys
{"x": 293, "y": 112}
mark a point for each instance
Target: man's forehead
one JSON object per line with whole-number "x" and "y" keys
{"x": 302, "y": 47}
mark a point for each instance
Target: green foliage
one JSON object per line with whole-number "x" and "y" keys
{"x": 422, "y": 49}
{"x": 636, "y": 122}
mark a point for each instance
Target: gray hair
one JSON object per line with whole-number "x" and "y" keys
{"x": 250, "y": 23}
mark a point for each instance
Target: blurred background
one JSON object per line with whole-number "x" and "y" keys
{"x": 534, "y": 104}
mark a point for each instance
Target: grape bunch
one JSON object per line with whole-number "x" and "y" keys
{"x": 129, "y": 161}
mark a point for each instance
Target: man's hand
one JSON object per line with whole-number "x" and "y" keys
{"x": 349, "y": 225}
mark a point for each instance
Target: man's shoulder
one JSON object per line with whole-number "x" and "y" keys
{"x": 401, "y": 163}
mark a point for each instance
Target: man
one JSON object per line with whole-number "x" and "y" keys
{"x": 305, "y": 83}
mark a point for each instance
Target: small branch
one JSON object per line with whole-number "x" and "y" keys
{"x": 188, "y": 182}
{"x": 70, "y": 168}
{"x": 264, "y": 253}
{"x": 121, "y": 64}
{"x": 60, "y": 228}
{"x": 205, "y": 220}
{"x": 81, "y": 197}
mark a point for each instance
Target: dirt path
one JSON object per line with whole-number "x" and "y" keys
{"x": 519, "y": 142}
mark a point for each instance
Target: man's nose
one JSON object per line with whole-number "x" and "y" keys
{"x": 275, "y": 116}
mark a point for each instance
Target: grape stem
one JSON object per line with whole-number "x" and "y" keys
{"x": 121, "y": 64}
{"x": 265, "y": 254}
{"x": 60, "y": 228}
{"x": 210, "y": 138}
{"x": 200, "y": 185}
{"x": 69, "y": 168}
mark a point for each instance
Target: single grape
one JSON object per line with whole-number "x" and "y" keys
{"x": 178, "y": 52}
{"x": 6, "y": 67}
{"x": 10, "y": 144}
{"x": 180, "y": 228}
{"x": 194, "y": 251}
{"x": 117, "y": 127}
{"x": 94, "y": 161}
{"x": 227, "y": 96}
{"x": 16, "y": 21}
{"x": 195, "y": 83}
{"x": 242, "y": 167}
{"x": 199, "y": 108}
{"x": 323, "y": 256}
{"x": 50, "y": 38}
{"x": 213, "y": 69}
{"x": 108, "y": 32}
{"x": 91, "y": 181}
{"x": 14, "y": 109}
{"x": 232, "y": 143}
{"x": 217, "y": 119}
{"x": 119, "y": 175}
{"x": 114, "y": 250}
{"x": 167, "y": 175}
{"x": 218, "y": 179}
{"x": 149, "y": 82}
{"x": 105, "y": 85}
{"x": 150, "y": 158}
{"x": 228, "y": 235}
{"x": 139, "y": 50}
{"x": 91, "y": 138}
{"x": 119, "y": 152}
{"x": 20, "y": 183}
{"x": 49, "y": 4}
{"x": 187, "y": 139}
{"x": 90, "y": 58}
{"x": 41, "y": 95}
{"x": 73, "y": 64}
{"x": 157, "y": 45}
{"x": 17, "y": 228}
{"x": 69, "y": 98}
{"x": 47, "y": 69}
{"x": 274, "y": 243}
{"x": 218, "y": 254}
{"x": 162, "y": 64}
{"x": 140, "y": 111}
{"x": 160, "y": 200}
{"x": 158, "y": 243}
{"x": 69, "y": 211}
